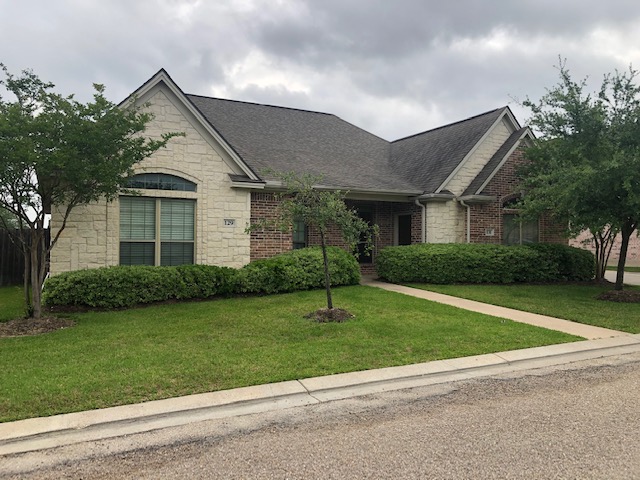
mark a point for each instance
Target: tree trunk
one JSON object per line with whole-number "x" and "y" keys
{"x": 603, "y": 245}
{"x": 600, "y": 266}
{"x": 327, "y": 278}
{"x": 26, "y": 282}
{"x": 626, "y": 232}
{"x": 36, "y": 306}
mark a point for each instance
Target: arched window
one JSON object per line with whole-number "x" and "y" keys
{"x": 157, "y": 231}
{"x": 161, "y": 181}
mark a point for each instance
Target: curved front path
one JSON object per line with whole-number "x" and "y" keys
{"x": 581, "y": 330}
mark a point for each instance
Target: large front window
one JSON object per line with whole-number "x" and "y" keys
{"x": 517, "y": 232}
{"x": 156, "y": 231}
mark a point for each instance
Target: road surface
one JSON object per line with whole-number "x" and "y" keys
{"x": 577, "y": 421}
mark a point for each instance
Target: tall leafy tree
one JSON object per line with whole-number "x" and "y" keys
{"x": 320, "y": 210}
{"x": 585, "y": 167}
{"x": 56, "y": 151}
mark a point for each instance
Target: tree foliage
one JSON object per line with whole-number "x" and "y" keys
{"x": 319, "y": 210}
{"x": 56, "y": 151}
{"x": 585, "y": 167}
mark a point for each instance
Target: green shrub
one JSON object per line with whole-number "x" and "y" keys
{"x": 298, "y": 270}
{"x": 483, "y": 263}
{"x": 574, "y": 264}
{"x": 124, "y": 286}
{"x": 204, "y": 281}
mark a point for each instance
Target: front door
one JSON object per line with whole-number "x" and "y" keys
{"x": 404, "y": 229}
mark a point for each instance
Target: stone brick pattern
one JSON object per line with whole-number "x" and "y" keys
{"x": 479, "y": 158}
{"x": 91, "y": 238}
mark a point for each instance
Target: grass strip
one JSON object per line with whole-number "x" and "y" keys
{"x": 571, "y": 302}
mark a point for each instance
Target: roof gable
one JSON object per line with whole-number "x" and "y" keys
{"x": 431, "y": 157}
{"x": 162, "y": 80}
{"x": 497, "y": 161}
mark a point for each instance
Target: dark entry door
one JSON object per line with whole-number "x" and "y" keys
{"x": 404, "y": 229}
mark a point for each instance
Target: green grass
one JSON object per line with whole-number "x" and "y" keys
{"x": 626, "y": 269}
{"x": 119, "y": 357}
{"x": 11, "y": 303}
{"x": 571, "y": 302}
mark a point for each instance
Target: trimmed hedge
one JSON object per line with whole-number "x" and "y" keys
{"x": 484, "y": 263}
{"x": 123, "y": 286}
{"x": 116, "y": 287}
{"x": 301, "y": 269}
{"x": 574, "y": 264}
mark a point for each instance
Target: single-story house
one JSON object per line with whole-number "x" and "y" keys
{"x": 450, "y": 184}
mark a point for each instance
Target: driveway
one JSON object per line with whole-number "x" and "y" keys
{"x": 630, "y": 278}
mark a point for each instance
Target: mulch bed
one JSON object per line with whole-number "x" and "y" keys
{"x": 31, "y": 326}
{"x": 325, "y": 315}
{"x": 624, "y": 296}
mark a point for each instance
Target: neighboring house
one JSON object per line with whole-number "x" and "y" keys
{"x": 451, "y": 184}
{"x": 584, "y": 240}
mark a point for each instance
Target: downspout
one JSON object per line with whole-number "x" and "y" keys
{"x": 468, "y": 207}
{"x": 424, "y": 220}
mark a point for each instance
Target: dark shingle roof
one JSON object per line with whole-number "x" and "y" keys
{"x": 286, "y": 139}
{"x": 427, "y": 159}
{"x": 494, "y": 162}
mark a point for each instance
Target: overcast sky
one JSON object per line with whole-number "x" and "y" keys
{"x": 393, "y": 67}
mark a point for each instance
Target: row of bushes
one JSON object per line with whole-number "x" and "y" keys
{"x": 116, "y": 287}
{"x": 482, "y": 263}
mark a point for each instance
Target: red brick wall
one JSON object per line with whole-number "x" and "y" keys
{"x": 503, "y": 186}
{"x": 269, "y": 242}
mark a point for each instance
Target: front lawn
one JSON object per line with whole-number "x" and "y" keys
{"x": 571, "y": 302}
{"x": 119, "y": 357}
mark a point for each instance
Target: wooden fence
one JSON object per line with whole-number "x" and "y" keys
{"x": 11, "y": 260}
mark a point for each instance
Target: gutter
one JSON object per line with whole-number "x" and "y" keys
{"x": 423, "y": 230}
{"x": 468, "y": 207}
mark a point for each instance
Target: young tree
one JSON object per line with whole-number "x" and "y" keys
{"x": 585, "y": 167}
{"x": 318, "y": 209}
{"x": 57, "y": 151}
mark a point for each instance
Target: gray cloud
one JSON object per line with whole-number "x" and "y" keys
{"x": 395, "y": 68}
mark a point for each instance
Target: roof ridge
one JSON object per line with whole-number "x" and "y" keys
{"x": 260, "y": 104}
{"x": 450, "y": 124}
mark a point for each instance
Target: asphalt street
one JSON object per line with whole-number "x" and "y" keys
{"x": 579, "y": 420}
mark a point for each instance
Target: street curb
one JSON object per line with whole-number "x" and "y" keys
{"x": 66, "y": 429}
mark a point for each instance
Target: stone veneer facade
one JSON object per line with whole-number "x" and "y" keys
{"x": 446, "y": 221}
{"x": 92, "y": 236}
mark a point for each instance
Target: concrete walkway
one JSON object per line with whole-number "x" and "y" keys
{"x": 630, "y": 278}
{"x": 585, "y": 331}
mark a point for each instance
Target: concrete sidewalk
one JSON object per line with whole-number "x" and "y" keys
{"x": 67, "y": 429}
{"x": 581, "y": 330}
